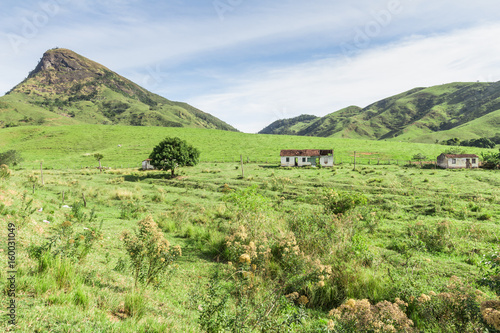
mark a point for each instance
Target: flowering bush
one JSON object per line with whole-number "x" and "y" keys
{"x": 150, "y": 253}
{"x": 361, "y": 316}
{"x": 454, "y": 310}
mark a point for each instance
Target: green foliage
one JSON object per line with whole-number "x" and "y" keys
{"x": 338, "y": 202}
{"x": 130, "y": 210}
{"x": 10, "y": 158}
{"x": 72, "y": 239}
{"x": 419, "y": 157}
{"x": 437, "y": 240}
{"x": 491, "y": 160}
{"x": 247, "y": 199}
{"x": 172, "y": 153}
{"x": 135, "y": 304}
{"x": 252, "y": 311}
{"x": 490, "y": 269}
{"x": 481, "y": 143}
{"x": 150, "y": 253}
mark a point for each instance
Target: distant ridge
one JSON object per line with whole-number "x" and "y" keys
{"x": 67, "y": 88}
{"x": 462, "y": 110}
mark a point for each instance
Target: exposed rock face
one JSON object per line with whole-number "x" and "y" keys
{"x": 59, "y": 71}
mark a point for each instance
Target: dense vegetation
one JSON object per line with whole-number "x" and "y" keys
{"x": 382, "y": 247}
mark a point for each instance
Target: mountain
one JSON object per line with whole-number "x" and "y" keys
{"x": 463, "y": 110}
{"x": 67, "y": 88}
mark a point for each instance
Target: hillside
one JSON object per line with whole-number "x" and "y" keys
{"x": 63, "y": 147}
{"x": 463, "y": 110}
{"x": 67, "y": 88}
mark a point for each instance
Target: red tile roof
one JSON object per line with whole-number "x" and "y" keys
{"x": 460, "y": 156}
{"x": 306, "y": 152}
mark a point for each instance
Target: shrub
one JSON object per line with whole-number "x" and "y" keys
{"x": 337, "y": 202}
{"x": 10, "y": 157}
{"x": 67, "y": 241}
{"x": 248, "y": 199}
{"x": 454, "y": 310}
{"x": 5, "y": 173}
{"x": 361, "y": 316}
{"x": 150, "y": 253}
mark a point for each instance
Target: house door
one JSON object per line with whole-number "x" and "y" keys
{"x": 467, "y": 163}
{"x": 296, "y": 161}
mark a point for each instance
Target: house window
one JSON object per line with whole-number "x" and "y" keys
{"x": 287, "y": 159}
{"x": 453, "y": 161}
{"x": 473, "y": 161}
{"x": 304, "y": 159}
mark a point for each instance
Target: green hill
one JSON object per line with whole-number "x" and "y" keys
{"x": 67, "y": 88}
{"x": 463, "y": 110}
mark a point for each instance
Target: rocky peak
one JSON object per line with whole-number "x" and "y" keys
{"x": 64, "y": 60}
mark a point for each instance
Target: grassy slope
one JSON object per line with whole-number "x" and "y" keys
{"x": 72, "y": 146}
{"x": 463, "y": 110}
{"x": 191, "y": 211}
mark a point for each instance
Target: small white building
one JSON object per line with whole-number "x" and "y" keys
{"x": 146, "y": 165}
{"x": 458, "y": 161}
{"x": 306, "y": 157}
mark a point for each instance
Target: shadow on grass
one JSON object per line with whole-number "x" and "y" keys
{"x": 265, "y": 166}
{"x": 149, "y": 175}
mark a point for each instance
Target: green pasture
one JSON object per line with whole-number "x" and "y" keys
{"x": 72, "y": 147}
{"x": 419, "y": 229}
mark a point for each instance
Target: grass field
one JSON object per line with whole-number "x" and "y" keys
{"x": 274, "y": 250}
{"x": 64, "y": 147}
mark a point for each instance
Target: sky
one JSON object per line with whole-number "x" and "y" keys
{"x": 252, "y": 62}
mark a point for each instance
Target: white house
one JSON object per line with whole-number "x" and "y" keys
{"x": 458, "y": 161}
{"x": 306, "y": 157}
{"x": 146, "y": 165}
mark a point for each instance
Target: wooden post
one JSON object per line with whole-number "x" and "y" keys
{"x": 41, "y": 173}
{"x": 242, "y": 172}
{"x": 84, "y": 201}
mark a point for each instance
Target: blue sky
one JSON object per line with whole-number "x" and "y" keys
{"x": 251, "y": 62}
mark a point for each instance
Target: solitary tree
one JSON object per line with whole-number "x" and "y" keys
{"x": 172, "y": 153}
{"x": 99, "y": 157}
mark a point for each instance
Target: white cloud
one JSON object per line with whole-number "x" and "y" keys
{"x": 327, "y": 85}
{"x": 265, "y": 60}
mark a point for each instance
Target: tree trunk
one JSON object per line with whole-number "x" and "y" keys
{"x": 100, "y": 168}
{"x": 173, "y": 172}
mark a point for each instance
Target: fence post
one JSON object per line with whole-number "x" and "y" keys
{"x": 242, "y": 172}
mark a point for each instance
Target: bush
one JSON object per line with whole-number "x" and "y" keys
{"x": 361, "y": 316}
{"x": 11, "y": 158}
{"x": 150, "y": 253}
{"x": 337, "y": 202}
{"x": 5, "y": 173}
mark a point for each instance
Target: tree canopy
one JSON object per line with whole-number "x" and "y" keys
{"x": 172, "y": 153}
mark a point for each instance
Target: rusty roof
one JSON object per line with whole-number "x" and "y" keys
{"x": 306, "y": 152}
{"x": 460, "y": 155}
